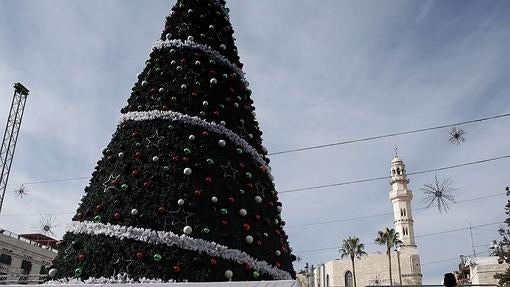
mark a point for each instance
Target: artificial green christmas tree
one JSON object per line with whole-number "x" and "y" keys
{"x": 183, "y": 191}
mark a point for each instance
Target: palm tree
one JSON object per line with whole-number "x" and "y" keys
{"x": 351, "y": 247}
{"x": 390, "y": 238}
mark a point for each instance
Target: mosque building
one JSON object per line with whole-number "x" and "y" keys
{"x": 373, "y": 269}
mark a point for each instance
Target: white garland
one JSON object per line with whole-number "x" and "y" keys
{"x": 121, "y": 278}
{"x": 196, "y": 121}
{"x": 182, "y": 241}
{"x": 206, "y": 49}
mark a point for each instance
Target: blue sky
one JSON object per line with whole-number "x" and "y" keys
{"x": 320, "y": 72}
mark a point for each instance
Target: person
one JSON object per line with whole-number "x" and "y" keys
{"x": 449, "y": 280}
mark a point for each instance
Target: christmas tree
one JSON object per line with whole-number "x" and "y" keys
{"x": 183, "y": 191}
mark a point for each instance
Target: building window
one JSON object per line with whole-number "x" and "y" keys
{"x": 26, "y": 267}
{"x": 5, "y": 259}
{"x": 348, "y": 279}
{"x": 327, "y": 280}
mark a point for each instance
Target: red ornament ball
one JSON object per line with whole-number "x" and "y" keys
{"x": 116, "y": 216}
{"x": 214, "y": 262}
{"x": 177, "y": 269}
{"x": 81, "y": 257}
{"x": 208, "y": 179}
{"x": 140, "y": 254}
{"x": 205, "y": 133}
{"x": 161, "y": 210}
{"x": 99, "y": 207}
{"x": 197, "y": 193}
{"x": 246, "y": 226}
{"x": 231, "y": 200}
{"x": 224, "y": 222}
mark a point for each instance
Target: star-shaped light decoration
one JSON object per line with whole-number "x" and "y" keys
{"x": 21, "y": 191}
{"x": 109, "y": 183}
{"x": 457, "y": 136}
{"x": 439, "y": 194}
{"x": 229, "y": 171}
{"x": 47, "y": 224}
{"x": 180, "y": 216}
{"x": 260, "y": 189}
{"x": 154, "y": 140}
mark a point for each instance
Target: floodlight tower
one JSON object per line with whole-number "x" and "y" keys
{"x": 11, "y": 136}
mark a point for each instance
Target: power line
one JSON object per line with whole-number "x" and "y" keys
{"x": 383, "y": 214}
{"x": 418, "y": 236}
{"x": 388, "y": 135}
{"x": 388, "y": 177}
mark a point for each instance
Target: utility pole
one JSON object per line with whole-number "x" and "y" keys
{"x": 11, "y": 136}
{"x": 472, "y": 241}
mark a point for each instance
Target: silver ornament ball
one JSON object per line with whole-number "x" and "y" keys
{"x": 134, "y": 211}
{"x": 248, "y": 239}
{"x": 187, "y": 230}
{"x": 52, "y": 272}
{"x": 222, "y": 143}
{"x": 187, "y": 171}
{"x": 180, "y": 202}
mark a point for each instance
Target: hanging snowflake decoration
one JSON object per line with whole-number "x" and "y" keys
{"x": 47, "y": 224}
{"x": 439, "y": 194}
{"x": 21, "y": 191}
{"x": 457, "y": 136}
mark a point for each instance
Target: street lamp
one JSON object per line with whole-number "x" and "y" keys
{"x": 397, "y": 249}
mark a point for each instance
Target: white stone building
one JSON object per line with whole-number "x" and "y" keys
{"x": 22, "y": 259}
{"x": 373, "y": 269}
{"x": 480, "y": 270}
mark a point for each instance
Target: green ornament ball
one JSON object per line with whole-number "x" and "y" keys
{"x": 224, "y": 211}
{"x": 124, "y": 186}
{"x": 239, "y": 150}
{"x": 105, "y": 151}
{"x": 256, "y": 274}
{"x": 187, "y": 151}
{"x": 157, "y": 257}
{"x": 78, "y": 271}
{"x": 206, "y": 230}
{"x": 97, "y": 218}
{"x": 138, "y": 144}
{"x": 241, "y": 191}
{"x": 210, "y": 161}
{"x": 166, "y": 168}
{"x": 248, "y": 175}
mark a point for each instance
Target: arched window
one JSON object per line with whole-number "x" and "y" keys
{"x": 404, "y": 211}
{"x": 348, "y": 279}
{"x": 398, "y": 170}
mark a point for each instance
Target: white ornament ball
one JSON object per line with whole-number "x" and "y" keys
{"x": 214, "y": 199}
{"x": 197, "y": 63}
{"x": 184, "y": 87}
{"x": 52, "y": 272}
{"x": 187, "y": 229}
{"x": 190, "y": 38}
{"x": 191, "y": 137}
{"x": 213, "y": 81}
{"x": 161, "y": 90}
{"x": 243, "y": 212}
{"x": 276, "y": 221}
{"x": 250, "y": 136}
{"x": 134, "y": 211}
{"x": 265, "y": 234}
{"x": 187, "y": 171}
{"x": 180, "y": 202}
{"x": 236, "y": 105}
{"x": 138, "y": 75}
{"x": 205, "y": 103}
{"x": 223, "y": 123}
{"x": 229, "y": 274}
{"x": 168, "y": 36}
{"x": 155, "y": 159}
{"x": 121, "y": 154}
{"x": 258, "y": 199}
{"x": 144, "y": 83}
{"x": 254, "y": 113}
{"x": 225, "y": 76}
{"x": 264, "y": 150}
{"x": 223, "y": 46}
{"x": 222, "y": 143}
{"x": 279, "y": 208}
{"x": 248, "y": 239}
{"x": 277, "y": 253}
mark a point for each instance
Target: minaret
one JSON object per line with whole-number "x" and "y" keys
{"x": 401, "y": 197}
